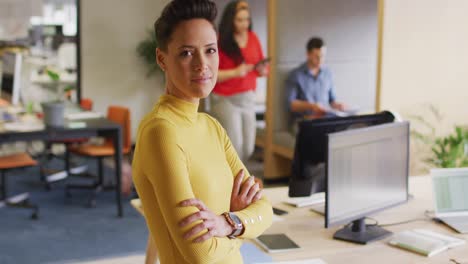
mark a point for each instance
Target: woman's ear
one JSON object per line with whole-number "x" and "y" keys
{"x": 160, "y": 59}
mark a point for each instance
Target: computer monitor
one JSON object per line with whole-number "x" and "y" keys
{"x": 367, "y": 172}
{"x": 308, "y": 166}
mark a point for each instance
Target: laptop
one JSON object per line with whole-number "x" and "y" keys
{"x": 451, "y": 197}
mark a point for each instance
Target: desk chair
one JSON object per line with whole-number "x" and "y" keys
{"x": 151, "y": 250}
{"x": 117, "y": 114}
{"x": 86, "y": 104}
{"x": 10, "y": 162}
{"x": 53, "y": 176}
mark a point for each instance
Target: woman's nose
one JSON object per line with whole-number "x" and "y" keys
{"x": 201, "y": 62}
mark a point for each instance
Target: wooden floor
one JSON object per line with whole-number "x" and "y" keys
{"x": 119, "y": 260}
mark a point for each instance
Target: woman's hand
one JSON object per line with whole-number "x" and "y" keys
{"x": 243, "y": 194}
{"x": 262, "y": 69}
{"x": 216, "y": 225}
{"x": 243, "y": 69}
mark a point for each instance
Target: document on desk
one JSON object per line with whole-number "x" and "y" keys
{"x": 277, "y": 218}
{"x": 425, "y": 242}
{"x": 305, "y": 261}
{"x": 23, "y": 126}
{"x": 344, "y": 113}
{"x": 83, "y": 115}
{"x": 315, "y": 198}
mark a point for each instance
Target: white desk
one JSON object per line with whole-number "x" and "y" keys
{"x": 307, "y": 229}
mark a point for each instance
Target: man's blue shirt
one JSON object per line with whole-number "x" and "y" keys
{"x": 302, "y": 85}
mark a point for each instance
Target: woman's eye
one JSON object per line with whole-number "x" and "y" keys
{"x": 211, "y": 50}
{"x": 186, "y": 53}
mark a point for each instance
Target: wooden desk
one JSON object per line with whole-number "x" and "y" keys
{"x": 307, "y": 229}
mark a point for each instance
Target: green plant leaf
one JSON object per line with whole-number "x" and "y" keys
{"x": 69, "y": 88}
{"x": 146, "y": 50}
{"x": 435, "y": 112}
{"x": 53, "y": 75}
{"x": 446, "y": 151}
{"x": 423, "y": 122}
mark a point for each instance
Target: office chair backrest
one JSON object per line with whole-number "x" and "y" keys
{"x": 121, "y": 115}
{"x": 86, "y": 104}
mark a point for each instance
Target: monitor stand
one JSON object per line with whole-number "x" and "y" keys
{"x": 359, "y": 232}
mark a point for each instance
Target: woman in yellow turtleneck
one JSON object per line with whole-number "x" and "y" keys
{"x": 184, "y": 163}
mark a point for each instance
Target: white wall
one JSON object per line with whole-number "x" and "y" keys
{"x": 425, "y": 61}
{"x": 15, "y": 16}
{"x": 112, "y": 74}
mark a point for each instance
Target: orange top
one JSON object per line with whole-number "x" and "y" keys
{"x": 252, "y": 54}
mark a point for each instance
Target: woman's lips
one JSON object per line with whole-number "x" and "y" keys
{"x": 201, "y": 80}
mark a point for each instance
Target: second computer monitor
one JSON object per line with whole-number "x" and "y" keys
{"x": 308, "y": 168}
{"x": 367, "y": 171}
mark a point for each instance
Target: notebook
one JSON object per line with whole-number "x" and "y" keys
{"x": 425, "y": 242}
{"x": 451, "y": 197}
{"x": 273, "y": 243}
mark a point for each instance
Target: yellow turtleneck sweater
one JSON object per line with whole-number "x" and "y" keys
{"x": 182, "y": 154}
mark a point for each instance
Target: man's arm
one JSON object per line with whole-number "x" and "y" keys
{"x": 295, "y": 102}
{"x": 332, "y": 96}
{"x": 338, "y": 106}
{"x": 300, "y": 106}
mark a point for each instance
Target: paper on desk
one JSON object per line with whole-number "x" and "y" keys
{"x": 344, "y": 113}
{"x": 316, "y": 198}
{"x": 277, "y": 218}
{"x": 83, "y": 115}
{"x": 305, "y": 261}
{"x": 76, "y": 125}
{"x": 425, "y": 242}
{"x": 23, "y": 126}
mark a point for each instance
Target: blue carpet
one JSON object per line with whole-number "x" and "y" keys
{"x": 67, "y": 231}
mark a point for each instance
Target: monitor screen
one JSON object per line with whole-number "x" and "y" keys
{"x": 367, "y": 171}
{"x": 308, "y": 168}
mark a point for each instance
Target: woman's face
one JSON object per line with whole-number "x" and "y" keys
{"x": 242, "y": 21}
{"x": 191, "y": 61}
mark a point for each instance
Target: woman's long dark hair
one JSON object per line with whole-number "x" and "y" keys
{"x": 227, "y": 43}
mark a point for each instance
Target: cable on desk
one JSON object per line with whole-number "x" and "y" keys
{"x": 455, "y": 261}
{"x": 428, "y": 216}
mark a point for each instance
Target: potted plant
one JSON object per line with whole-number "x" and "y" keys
{"x": 449, "y": 151}
{"x": 146, "y": 50}
{"x": 54, "y": 111}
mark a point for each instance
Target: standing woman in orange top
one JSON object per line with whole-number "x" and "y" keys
{"x": 233, "y": 98}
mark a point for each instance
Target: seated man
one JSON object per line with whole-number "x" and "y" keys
{"x": 310, "y": 89}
